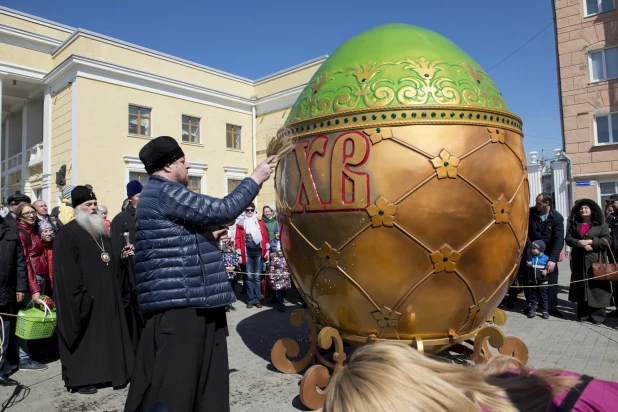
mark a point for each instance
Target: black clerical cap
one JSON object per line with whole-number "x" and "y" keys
{"x": 160, "y": 152}
{"x": 18, "y": 198}
{"x": 81, "y": 194}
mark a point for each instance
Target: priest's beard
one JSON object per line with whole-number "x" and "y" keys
{"x": 91, "y": 223}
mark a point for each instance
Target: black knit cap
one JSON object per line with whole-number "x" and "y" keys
{"x": 81, "y": 194}
{"x": 160, "y": 152}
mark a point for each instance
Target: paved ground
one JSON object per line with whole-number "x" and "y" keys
{"x": 257, "y": 387}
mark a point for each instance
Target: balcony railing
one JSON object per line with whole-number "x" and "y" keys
{"x": 35, "y": 154}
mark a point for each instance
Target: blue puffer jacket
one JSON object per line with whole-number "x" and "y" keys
{"x": 173, "y": 224}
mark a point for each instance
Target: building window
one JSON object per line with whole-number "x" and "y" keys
{"x": 139, "y": 120}
{"x": 232, "y": 184}
{"x": 233, "y": 137}
{"x": 195, "y": 184}
{"x": 190, "y": 129}
{"x": 607, "y": 189}
{"x": 597, "y": 6}
{"x": 142, "y": 177}
{"x": 606, "y": 129}
{"x": 604, "y": 64}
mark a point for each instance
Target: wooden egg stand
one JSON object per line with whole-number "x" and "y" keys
{"x": 315, "y": 380}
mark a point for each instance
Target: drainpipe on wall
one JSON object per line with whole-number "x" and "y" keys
{"x": 254, "y": 138}
{"x": 571, "y": 182}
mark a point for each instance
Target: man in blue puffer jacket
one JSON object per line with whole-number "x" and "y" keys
{"x": 182, "y": 286}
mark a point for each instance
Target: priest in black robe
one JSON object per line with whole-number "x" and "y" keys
{"x": 94, "y": 344}
{"x": 123, "y": 239}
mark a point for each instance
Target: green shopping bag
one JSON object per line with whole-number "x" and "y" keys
{"x": 33, "y": 323}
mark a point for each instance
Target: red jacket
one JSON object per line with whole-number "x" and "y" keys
{"x": 239, "y": 240}
{"x": 34, "y": 255}
{"x": 49, "y": 253}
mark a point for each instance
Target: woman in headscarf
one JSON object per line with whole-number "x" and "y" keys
{"x": 588, "y": 236}
{"x": 252, "y": 240}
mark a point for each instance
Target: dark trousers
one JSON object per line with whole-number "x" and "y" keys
{"x": 552, "y": 291}
{"x": 280, "y": 296}
{"x": 584, "y": 311}
{"x": 537, "y": 297}
{"x": 182, "y": 363}
{"x": 6, "y": 329}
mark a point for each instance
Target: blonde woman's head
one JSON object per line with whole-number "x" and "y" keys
{"x": 393, "y": 377}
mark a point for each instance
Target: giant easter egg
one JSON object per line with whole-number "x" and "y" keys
{"x": 404, "y": 204}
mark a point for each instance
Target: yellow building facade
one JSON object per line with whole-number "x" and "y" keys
{"x": 78, "y": 106}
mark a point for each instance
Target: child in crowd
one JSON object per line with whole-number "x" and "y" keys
{"x": 279, "y": 275}
{"x": 47, "y": 233}
{"x": 537, "y": 276}
{"x": 230, "y": 261}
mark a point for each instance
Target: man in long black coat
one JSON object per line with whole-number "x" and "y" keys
{"x": 13, "y": 284}
{"x": 94, "y": 343}
{"x": 123, "y": 230}
{"x": 547, "y": 224}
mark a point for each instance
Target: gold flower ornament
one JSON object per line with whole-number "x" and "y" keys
{"x": 445, "y": 165}
{"x": 382, "y": 213}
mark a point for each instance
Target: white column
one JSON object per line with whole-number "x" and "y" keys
{"x": 534, "y": 178}
{"x": 25, "y": 184}
{"x": 47, "y": 148}
{"x": 561, "y": 189}
{"x": 74, "y": 135}
{"x": 6, "y": 150}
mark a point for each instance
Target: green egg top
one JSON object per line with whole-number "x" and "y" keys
{"x": 395, "y": 67}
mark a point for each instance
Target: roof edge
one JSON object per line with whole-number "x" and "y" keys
{"x": 297, "y": 67}
{"x": 76, "y": 32}
{"x": 36, "y": 19}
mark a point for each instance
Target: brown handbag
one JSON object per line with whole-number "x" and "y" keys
{"x": 605, "y": 271}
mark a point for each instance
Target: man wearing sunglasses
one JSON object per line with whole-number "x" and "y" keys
{"x": 182, "y": 285}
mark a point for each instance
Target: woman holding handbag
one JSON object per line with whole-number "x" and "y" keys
{"x": 588, "y": 236}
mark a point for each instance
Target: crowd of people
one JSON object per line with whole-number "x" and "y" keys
{"x": 143, "y": 298}
{"x": 592, "y": 236}
{"x": 149, "y": 278}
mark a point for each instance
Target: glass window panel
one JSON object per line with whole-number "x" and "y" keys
{"x": 232, "y": 184}
{"x": 228, "y": 142}
{"x": 144, "y": 112}
{"x": 185, "y": 119}
{"x": 145, "y": 127}
{"x": 195, "y": 122}
{"x": 142, "y": 177}
{"x": 592, "y": 6}
{"x": 194, "y": 134}
{"x": 614, "y": 135}
{"x": 133, "y": 109}
{"x": 195, "y": 184}
{"x": 602, "y": 129}
{"x": 185, "y": 133}
{"x": 237, "y": 141}
{"x": 611, "y": 62}
{"x": 607, "y": 5}
{"x": 132, "y": 124}
{"x": 607, "y": 188}
{"x": 596, "y": 60}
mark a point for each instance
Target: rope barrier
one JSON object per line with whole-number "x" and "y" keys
{"x": 561, "y": 284}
